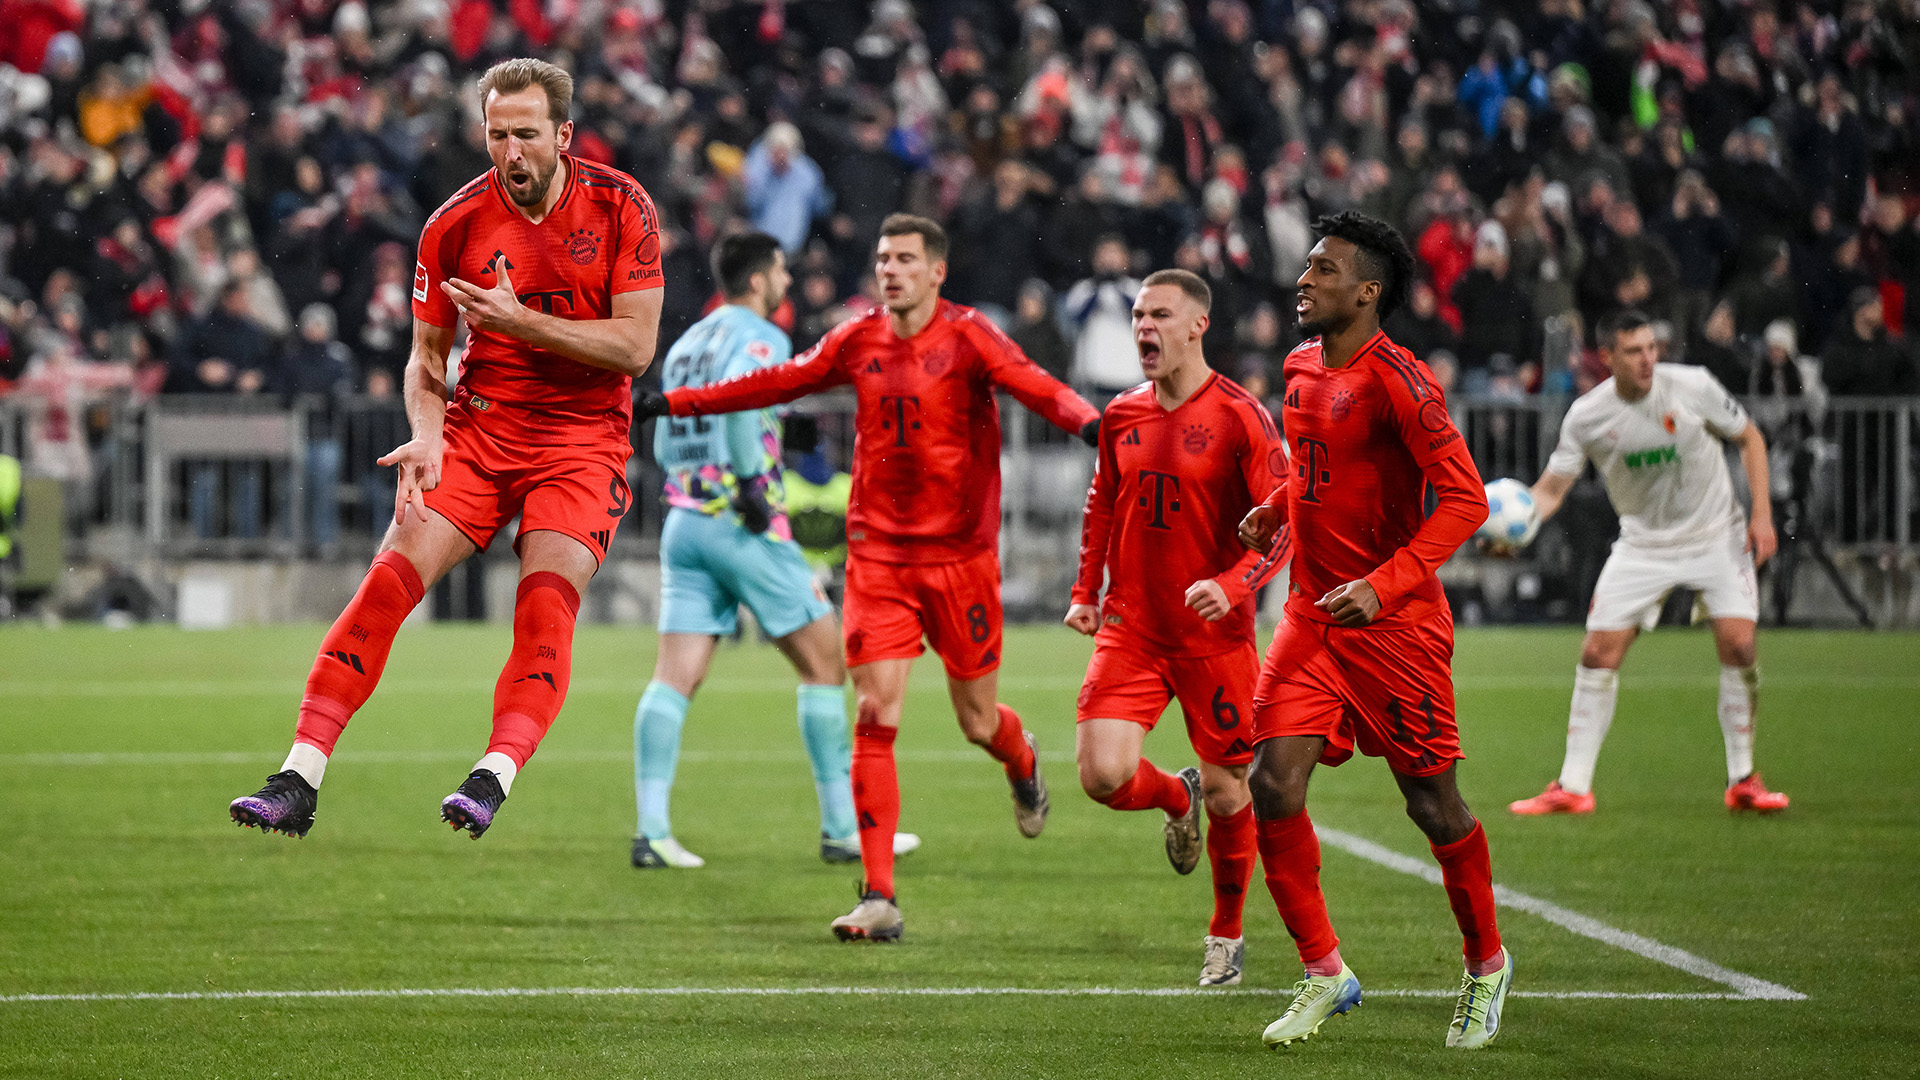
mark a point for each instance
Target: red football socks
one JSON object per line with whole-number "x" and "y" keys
{"x": 876, "y": 801}
{"x": 1150, "y": 788}
{"x": 1467, "y": 871}
{"x": 1290, "y": 856}
{"x": 533, "y": 685}
{"x": 1231, "y": 845}
{"x": 354, "y": 652}
{"x": 1009, "y": 745}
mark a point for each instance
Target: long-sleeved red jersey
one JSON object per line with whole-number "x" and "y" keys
{"x": 926, "y": 449}
{"x": 1367, "y": 439}
{"x": 1167, "y": 498}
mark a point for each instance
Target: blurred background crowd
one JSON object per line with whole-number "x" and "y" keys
{"x": 214, "y": 197}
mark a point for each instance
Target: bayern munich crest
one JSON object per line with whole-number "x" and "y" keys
{"x": 1195, "y": 438}
{"x": 583, "y": 245}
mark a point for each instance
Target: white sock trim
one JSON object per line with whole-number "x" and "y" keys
{"x": 502, "y": 767}
{"x": 1594, "y": 692}
{"x": 309, "y": 761}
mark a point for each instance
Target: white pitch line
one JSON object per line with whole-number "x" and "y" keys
{"x": 802, "y": 991}
{"x": 179, "y": 758}
{"x": 1584, "y": 925}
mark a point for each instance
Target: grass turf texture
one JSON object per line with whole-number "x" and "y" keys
{"x": 123, "y": 874}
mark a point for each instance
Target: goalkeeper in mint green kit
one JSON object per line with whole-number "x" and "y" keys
{"x": 726, "y": 543}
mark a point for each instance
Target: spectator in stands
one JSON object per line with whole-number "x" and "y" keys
{"x": 1496, "y": 314}
{"x": 1701, "y": 240}
{"x": 996, "y": 241}
{"x": 317, "y": 372}
{"x": 869, "y": 182}
{"x": 1581, "y": 156}
{"x": 785, "y": 191}
{"x": 1861, "y": 361}
{"x": 1628, "y": 268}
{"x": 1037, "y": 330}
{"x": 1830, "y": 281}
{"x": 1765, "y": 290}
{"x": 1716, "y": 347}
{"x": 1418, "y": 327}
{"x": 1098, "y": 312}
{"x": 225, "y": 353}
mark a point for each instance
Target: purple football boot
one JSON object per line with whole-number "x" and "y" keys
{"x": 285, "y": 805}
{"x": 472, "y": 806}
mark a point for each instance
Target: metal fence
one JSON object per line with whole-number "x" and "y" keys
{"x": 197, "y": 477}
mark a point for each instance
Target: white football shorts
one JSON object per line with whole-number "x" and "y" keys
{"x": 1636, "y": 580}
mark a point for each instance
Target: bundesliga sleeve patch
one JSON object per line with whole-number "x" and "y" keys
{"x": 420, "y": 282}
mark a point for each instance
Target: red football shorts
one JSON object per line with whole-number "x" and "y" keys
{"x": 889, "y": 607}
{"x": 1389, "y": 692}
{"x": 1215, "y": 695}
{"x": 580, "y": 491}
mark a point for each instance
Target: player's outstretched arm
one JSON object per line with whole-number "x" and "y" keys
{"x": 1550, "y": 493}
{"x": 815, "y": 370}
{"x": 425, "y": 395}
{"x": 624, "y": 343}
{"x": 1012, "y": 371}
{"x": 1753, "y": 457}
{"x": 1096, "y": 538}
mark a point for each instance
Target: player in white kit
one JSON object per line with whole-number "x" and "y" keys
{"x": 1654, "y": 432}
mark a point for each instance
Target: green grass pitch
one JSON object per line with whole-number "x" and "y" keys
{"x": 119, "y": 872}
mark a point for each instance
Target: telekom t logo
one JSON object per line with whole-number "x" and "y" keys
{"x": 1309, "y": 466}
{"x": 899, "y": 404}
{"x": 1159, "y": 496}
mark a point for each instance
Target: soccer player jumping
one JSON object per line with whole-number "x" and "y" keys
{"x": 923, "y": 525}
{"x": 726, "y": 542}
{"x": 554, "y": 263}
{"x": 1654, "y": 431}
{"x": 1183, "y": 458}
{"x": 1364, "y": 654}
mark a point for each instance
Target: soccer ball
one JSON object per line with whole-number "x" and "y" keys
{"x": 1512, "y": 519}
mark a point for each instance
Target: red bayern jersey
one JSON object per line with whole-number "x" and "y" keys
{"x": 1168, "y": 494}
{"x": 601, "y": 239}
{"x": 1367, "y": 440}
{"x": 926, "y": 447}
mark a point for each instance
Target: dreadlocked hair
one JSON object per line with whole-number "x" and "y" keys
{"x": 1383, "y": 254}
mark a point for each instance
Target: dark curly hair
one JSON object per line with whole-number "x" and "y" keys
{"x": 1383, "y": 254}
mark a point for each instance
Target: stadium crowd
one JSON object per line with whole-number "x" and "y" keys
{"x": 223, "y": 197}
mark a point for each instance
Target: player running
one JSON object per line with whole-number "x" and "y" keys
{"x": 1364, "y": 654}
{"x": 1183, "y": 457}
{"x": 1654, "y": 431}
{"x": 725, "y": 543}
{"x": 923, "y": 525}
{"x": 554, "y": 263}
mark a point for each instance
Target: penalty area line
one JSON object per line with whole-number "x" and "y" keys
{"x": 1748, "y": 986}
{"x": 804, "y": 991}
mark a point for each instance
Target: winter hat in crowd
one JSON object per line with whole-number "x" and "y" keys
{"x": 1779, "y": 335}
{"x": 1492, "y": 235}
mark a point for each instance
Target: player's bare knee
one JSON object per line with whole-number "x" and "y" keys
{"x": 870, "y": 710}
{"x": 1225, "y": 800}
{"x": 1099, "y": 779}
{"x": 1276, "y": 795}
{"x": 1737, "y": 650}
{"x": 1223, "y": 789}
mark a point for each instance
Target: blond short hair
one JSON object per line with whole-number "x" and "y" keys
{"x": 513, "y": 76}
